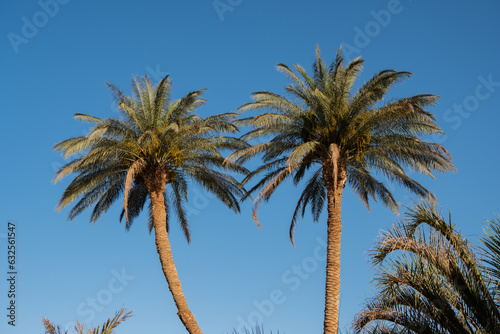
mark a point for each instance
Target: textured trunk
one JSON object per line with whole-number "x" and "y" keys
{"x": 334, "y": 177}
{"x": 167, "y": 261}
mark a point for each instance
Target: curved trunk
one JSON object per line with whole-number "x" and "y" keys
{"x": 167, "y": 261}
{"x": 334, "y": 177}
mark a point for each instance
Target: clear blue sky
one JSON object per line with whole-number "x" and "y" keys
{"x": 55, "y": 62}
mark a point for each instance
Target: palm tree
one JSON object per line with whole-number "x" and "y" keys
{"x": 345, "y": 136}
{"x": 108, "y": 327}
{"x": 432, "y": 280}
{"x": 157, "y": 143}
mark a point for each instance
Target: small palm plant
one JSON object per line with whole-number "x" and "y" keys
{"x": 151, "y": 153}
{"x": 107, "y": 327}
{"x": 432, "y": 280}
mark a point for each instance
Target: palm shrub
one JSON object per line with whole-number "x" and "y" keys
{"x": 149, "y": 155}
{"x": 432, "y": 280}
{"x": 333, "y": 135}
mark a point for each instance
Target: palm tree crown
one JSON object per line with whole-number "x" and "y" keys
{"x": 156, "y": 138}
{"x": 152, "y": 152}
{"x": 333, "y": 135}
{"x": 325, "y": 115}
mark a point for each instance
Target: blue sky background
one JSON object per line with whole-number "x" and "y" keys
{"x": 231, "y": 268}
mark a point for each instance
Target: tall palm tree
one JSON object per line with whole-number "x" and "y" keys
{"x": 344, "y": 136}
{"x": 433, "y": 280}
{"x": 158, "y": 142}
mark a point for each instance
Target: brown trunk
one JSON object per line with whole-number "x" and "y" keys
{"x": 334, "y": 177}
{"x": 166, "y": 259}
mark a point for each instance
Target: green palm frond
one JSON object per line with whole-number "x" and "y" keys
{"x": 314, "y": 194}
{"x": 491, "y": 242}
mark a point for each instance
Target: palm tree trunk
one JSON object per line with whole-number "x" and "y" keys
{"x": 332, "y": 290}
{"x": 167, "y": 262}
{"x": 334, "y": 178}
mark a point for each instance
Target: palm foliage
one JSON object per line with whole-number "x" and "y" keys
{"x": 254, "y": 330}
{"x": 328, "y": 133}
{"x": 107, "y": 327}
{"x": 154, "y": 135}
{"x": 432, "y": 280}
{"x": 324, "y": 111}
{"x": 153, "y": 151}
